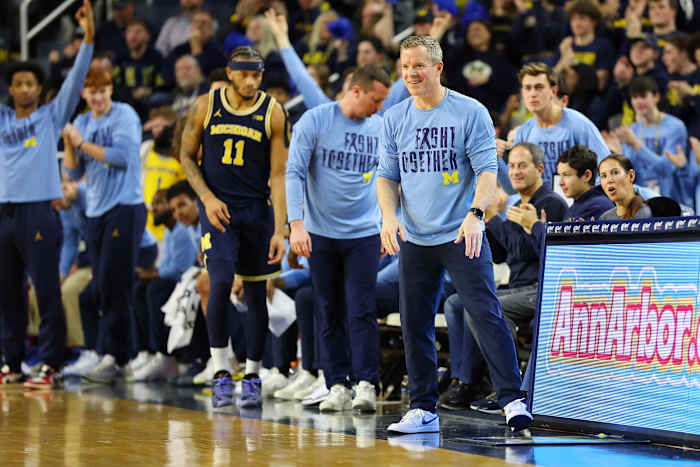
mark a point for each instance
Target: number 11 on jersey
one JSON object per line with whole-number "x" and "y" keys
{"x": 228, "y": 149}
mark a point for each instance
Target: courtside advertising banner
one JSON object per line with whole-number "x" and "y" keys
{"x": 619, "y": 324}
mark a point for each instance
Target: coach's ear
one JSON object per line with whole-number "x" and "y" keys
{"x": 440, "y": 65}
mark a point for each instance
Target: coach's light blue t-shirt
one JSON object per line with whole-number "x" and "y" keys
{"x": 331, "y": 173}
{"x": 436, "y": 155}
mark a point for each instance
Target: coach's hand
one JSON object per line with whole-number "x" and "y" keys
{"x": 472, "y": 232}
{"x": 217, "y": 212}
{"x": 277, "y": 249}
{"x": 299, "y": 239}
{"x": 390, "y": 226}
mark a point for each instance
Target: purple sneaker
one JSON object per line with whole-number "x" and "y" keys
{"x": 222, "y": 395}
{"x": 251, "y": 391}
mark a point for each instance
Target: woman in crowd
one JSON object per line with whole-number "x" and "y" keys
{"x": 617, "y": 179}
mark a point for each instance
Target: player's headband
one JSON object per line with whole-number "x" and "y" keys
{"x": 252, "y": 66}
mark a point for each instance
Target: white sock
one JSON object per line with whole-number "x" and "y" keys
{"x": 230, "y": 349}
{"x": 221, "y": 359}
{"x": 252, "y": 366}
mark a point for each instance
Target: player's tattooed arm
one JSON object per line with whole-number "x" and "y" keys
{"x": 279, "y": 145}
{"x": 191, "y": 140}
{"x": 217, "y": 212}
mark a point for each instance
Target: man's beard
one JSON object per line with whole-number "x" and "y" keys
{"x": 162, "y": 218}
{"x": 243, "y": 96}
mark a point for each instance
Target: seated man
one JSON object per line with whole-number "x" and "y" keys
{"x": 525, "y": 167}
{"x": 183, "y": 203}
{"x": 154, "y": 288}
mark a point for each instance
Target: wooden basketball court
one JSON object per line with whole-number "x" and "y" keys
{"x": 149, "y": 424}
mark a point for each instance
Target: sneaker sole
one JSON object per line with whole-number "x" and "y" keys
{"x": 364, "y": 406}
{"x": 249, "y": 404}
{"x": 334, "y": 409}
{"x": 216, "y": 405}
{"x": 413, "y": 432}
{"x": 446, "y": 406}
{"x": 498, "y": 411}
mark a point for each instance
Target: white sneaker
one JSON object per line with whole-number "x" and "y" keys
{"x": 142, "y": 358}
{"x": 157, "y": 368}
{"x": 340, "y": 398}
{"x": 365, "y": 397}
{"x": 303, "y": 393}
{"x": 205, "y": 376}
{"x": 273, "y": 383}
{"x": 105, "y": 372}
{"x": 131, "y": 368}
{"x": 88, "y": 359}
{"x": 517, "y": 416}
{"x": 416, "y": 421}
{"x": 318, "y": 395}
{"x": 303, "y": 381}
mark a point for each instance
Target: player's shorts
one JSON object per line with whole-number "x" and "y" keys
{"x": 243, "y": 248}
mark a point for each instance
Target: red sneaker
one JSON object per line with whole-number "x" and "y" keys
{"x": 7, "y": 376}
{"x": 47, "y": 378}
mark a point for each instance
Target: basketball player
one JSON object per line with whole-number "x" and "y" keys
{"x": 244, "y": 137}
{"x": 30, "y": 229}
{"x": 440, "y": 146}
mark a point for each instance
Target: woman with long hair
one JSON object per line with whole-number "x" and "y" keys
{"x": 617, "y": 179}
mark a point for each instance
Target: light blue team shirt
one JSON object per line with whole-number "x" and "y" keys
{"x": 179, "y": 252}
{"x": 147, "y": 239}
{"x": 652, "y": 167}
{"x": 118, "y": 179}
{"x": 573, "y": 128}
{"x": 28, "y": 162}
{"x": 74, "y": 230}
{"x": 331, "y": 173}
{"x": 436, "y": 155}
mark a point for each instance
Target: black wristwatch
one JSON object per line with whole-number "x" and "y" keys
{"x": 478, "y": 213}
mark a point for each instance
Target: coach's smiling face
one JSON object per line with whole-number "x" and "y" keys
{"x": 419, "y": 73}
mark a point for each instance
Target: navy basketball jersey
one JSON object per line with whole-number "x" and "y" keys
{"x": 236, "y": 148}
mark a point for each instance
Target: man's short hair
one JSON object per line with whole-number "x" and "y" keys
{"x": 539, "y": 68}
{"x": 278, "y": 81}
{"x": 180, "y": 188}
{"x": 580, "y": 158}
{"x": 31, "y": 67}
{"x": 563, "y": 88}
{"x": 673, "y": 4}
{"x": 535, "y": 151}
{"x": 682, "y": 43}
{"x": 140, "y": 21}
{"x": 218, "y": 74}
{"x": 431, "y": 45}
{"x": 641, "y": 85}
{"x": 693, "y": 45}
{"x": 247, "y": 52}
{"x": 376, "y": 43}
{"x": 584, "y": 8}
{"x": 366, "y": 75}
{"x": 97, "y": 77}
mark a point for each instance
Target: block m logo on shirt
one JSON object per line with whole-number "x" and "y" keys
{"x": 30, "y": 142}
{"x": 450, "y": 178}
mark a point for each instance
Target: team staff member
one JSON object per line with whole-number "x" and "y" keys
{"x": 334, "y": 220}
{"x": 30, "y": 229}
{"x": 440, "y": 146}
{"x": 103, "y": 145}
